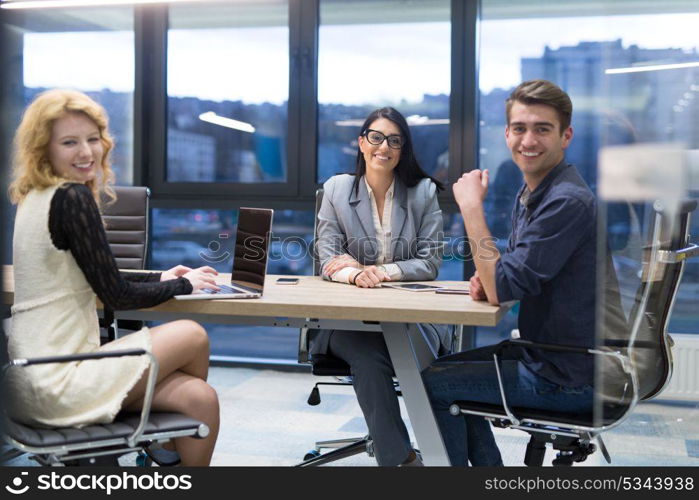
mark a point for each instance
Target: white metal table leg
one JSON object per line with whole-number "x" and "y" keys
{"x": 410, "y": 354}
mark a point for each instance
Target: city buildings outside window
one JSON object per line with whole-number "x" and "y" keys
{"x": 57, "y": 59}
{"x": 52, "y": 49}
{"x": 228, "y": 85}
{"x": 386, "y": 54}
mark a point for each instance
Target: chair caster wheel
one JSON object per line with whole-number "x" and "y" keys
{"x": 311, "y": 454}
{"x": 143, "y": 460}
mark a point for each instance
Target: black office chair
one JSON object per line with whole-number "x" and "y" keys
{"x": 97, "y": 444}
{"x": 327, "y": 366}
{"x": 127, "y": 232}
{"x": 633, "y": 363}
{"x": 126, "y": 224}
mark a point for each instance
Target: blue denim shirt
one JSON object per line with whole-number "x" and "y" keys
{"x": 549, "y": 266}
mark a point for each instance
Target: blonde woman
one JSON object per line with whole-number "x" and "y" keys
{"x": 62, "y": 262}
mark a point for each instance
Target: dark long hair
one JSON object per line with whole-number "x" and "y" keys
{"x": 408, "y": 170}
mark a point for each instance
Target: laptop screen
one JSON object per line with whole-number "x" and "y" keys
{"x": 252, "y": 247}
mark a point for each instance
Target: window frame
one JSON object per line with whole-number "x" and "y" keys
{"x": 150, "y": 112}
{"x": 152, "y": 24}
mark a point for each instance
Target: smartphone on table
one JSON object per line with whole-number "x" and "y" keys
{"x": 412, "y": 287}
{"x": 452, "y": 291}
{"x": 287, "y": 281}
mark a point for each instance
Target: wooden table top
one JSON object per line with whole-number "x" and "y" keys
{"x": 314, "y": 297}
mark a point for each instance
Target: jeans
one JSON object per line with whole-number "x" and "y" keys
{"x": 471, "y": 376}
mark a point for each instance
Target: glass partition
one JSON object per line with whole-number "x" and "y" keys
{"x": 631, "y": 69}
{"x": 646, "y": 374}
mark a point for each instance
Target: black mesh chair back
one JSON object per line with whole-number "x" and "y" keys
{"x": 321, "y": 365}
{"x": 303, "y": 356}
{"x": 634, "y": 359}
{"x": 126, "y": 224}
{"x": 662, "y": 272}
{"x": 314, "y": 253}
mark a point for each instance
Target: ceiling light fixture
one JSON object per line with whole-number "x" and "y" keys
{"x": 413, "y": 121}
{"x": 650, "y": 67}
{"x": 52, "y": 4}
{"x": 212, "y": 117}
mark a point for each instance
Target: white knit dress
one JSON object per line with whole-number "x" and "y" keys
{"x": 54, "y": 314}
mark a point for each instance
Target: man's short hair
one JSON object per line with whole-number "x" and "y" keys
{"x": 542, "y": 92}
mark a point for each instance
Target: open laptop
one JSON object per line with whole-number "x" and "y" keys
{"x": 249, "y": 259}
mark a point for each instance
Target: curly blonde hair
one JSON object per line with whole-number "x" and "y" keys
{"x": 32, "y": 169}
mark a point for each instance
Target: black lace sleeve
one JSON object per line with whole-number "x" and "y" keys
{"x": 75, "y": 224}
{"x": 141, "y": 277}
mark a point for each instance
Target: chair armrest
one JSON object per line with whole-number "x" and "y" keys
{"x": 622, "y": 359}
{"x": 77, "y": 357}
{"x": 150, "y": 384}
{"x": 624, "y": 343}
{"x": 545, "y": 347}
{"x": 675, "y": 256}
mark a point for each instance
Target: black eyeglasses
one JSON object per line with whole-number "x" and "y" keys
{"x": 376, "y": 138}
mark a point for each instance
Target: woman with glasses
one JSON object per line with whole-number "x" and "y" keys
{"x": 381, "y": 224}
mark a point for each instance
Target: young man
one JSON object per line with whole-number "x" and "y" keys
{"x": 549, "y": 266}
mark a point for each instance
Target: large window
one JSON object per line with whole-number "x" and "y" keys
{"x": 387, "y": 53}
{"x": 228, "y": 81}
{"x": 91, "y": 53}
{"x": 456, "y": 248}
{"x": 91, "y": 50}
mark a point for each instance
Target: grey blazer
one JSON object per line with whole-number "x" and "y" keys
{"x": 346, "y": 225}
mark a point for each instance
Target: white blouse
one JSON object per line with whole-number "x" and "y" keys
{"x": 383, "y": 237}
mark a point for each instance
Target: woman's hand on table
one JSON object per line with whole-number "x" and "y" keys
{"x": 339, "y": 262}
{"x": 370, "y": 277}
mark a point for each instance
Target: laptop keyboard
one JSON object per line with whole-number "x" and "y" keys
{"x": 224, "y": 289}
